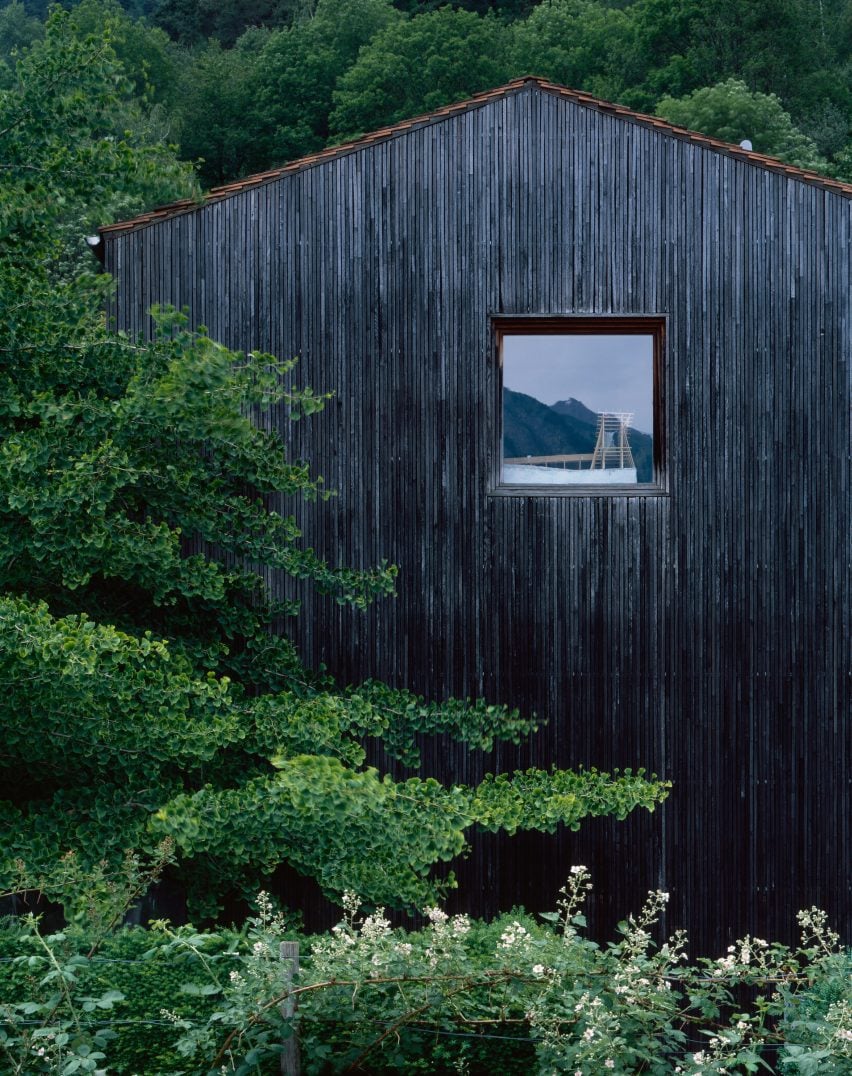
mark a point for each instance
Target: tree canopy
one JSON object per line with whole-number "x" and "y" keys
{"x": 242, "y": 87}
{"x": 415, "y": 66}
{"x": 246, "y": 86}
{"x": 730, "y": 111}
{"x": 18, "y": 30}
{"x": 578, "y": 43}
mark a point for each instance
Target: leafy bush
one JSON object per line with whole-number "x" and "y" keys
{"x": 519, "y": 994}
{"x": 118, "y": 991}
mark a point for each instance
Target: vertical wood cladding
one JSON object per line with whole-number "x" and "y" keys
{"x": 703, "y": 633}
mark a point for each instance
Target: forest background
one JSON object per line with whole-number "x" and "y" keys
{"x": 239, "y": 86}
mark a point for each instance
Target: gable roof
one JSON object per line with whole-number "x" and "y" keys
{"x": 217, "y": 194}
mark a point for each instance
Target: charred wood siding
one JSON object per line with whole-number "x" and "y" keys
{"x": 703, "y": 633}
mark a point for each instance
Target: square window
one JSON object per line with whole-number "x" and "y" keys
{"x": 580, "y": 403}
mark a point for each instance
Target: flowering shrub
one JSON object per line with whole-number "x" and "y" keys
{"x": 518, "y": 995}
{"x": 374, "y": 998}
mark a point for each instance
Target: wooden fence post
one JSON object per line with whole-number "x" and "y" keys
{"x": 289, "y": 952}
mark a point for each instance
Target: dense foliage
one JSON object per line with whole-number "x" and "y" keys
{"x": 417, "y": 65}
{"x": 521, "y": 994}
{"x": 148, "y": 692}
{"x": 249, "y": 84}
{"x": 731, "y": 112}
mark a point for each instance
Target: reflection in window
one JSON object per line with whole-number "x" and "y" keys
{"x": 578, "y": 408}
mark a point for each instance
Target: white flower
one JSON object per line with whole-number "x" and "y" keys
{"x": 843, "y": 1033}
{"x": 512, "y": 935}
{"x": 375, "y": 926}
{"x": 609, "y": 1063}
{"x": 342, "y": 935}
{"x": 538, "y": 969}
{"x": 351, "y": 902}
{"x": 461, "y": 924}
{"x": 578, "y": 870}
{"x": 436, "y": 916}
{"x": 589, "y": 1034}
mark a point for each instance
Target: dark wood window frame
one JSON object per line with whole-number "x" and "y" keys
{"x": 653, "y": 325}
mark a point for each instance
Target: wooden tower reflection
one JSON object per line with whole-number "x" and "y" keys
{"x": 612, "y": 447}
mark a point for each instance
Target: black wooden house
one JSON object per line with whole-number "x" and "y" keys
{"x": 654, "y": 553}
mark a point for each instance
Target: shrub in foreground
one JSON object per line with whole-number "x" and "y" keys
{"x": 521, "y": 993}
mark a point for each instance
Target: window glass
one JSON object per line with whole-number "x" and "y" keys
{"x": 578, "y": 408}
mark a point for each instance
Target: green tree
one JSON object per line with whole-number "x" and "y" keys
{"x": 418, "y": 65}
{"x": 506, "y": 9}
{"x": 301, "y": 67}
{"x": 732, "y": 112}
{"x": 266, "y": 101}
{"x": 149, "y": 59}
{"x": 842, "y": 165}
{"x": 146, "y": 693}
{"x": 191, "y": 22}
{"x": 217, "y": 120}
{"x": 37, "y": 8}
{"x": 18, "y": 30}
{"x": 579, "y": 43}
{"x": 75, "y": 140}
{"x": 786, "y": 47}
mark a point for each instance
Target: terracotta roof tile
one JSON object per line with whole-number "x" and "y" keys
{"x": 476, "y": 101}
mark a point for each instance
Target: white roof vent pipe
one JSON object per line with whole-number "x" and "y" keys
{"x": 746, "y": 144}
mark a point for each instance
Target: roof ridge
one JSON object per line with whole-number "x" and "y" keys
{"x": 216, "y": 194}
